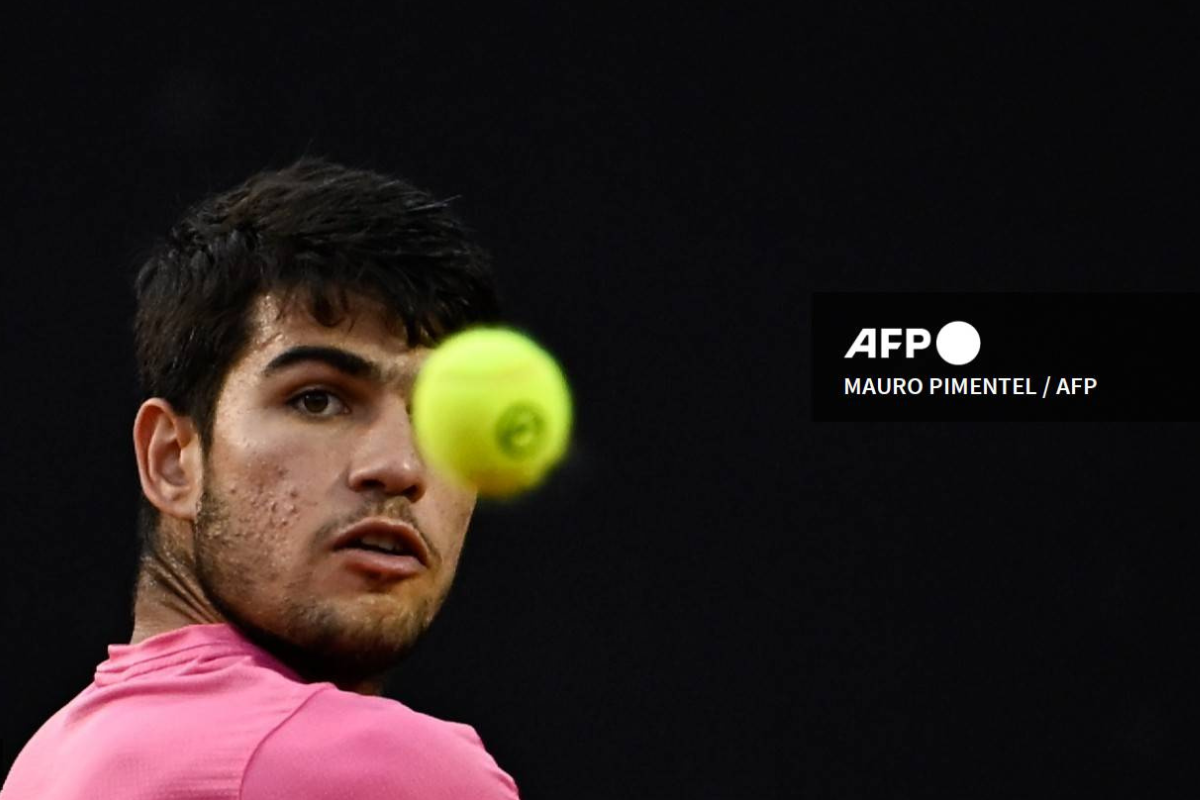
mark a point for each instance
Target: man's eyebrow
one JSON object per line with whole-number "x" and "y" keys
{"x": 343, "y": 361}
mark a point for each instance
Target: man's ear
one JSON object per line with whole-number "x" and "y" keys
{"x": 170, "y": 459}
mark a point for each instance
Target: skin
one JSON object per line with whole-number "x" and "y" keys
{"x": 296, "y": 459}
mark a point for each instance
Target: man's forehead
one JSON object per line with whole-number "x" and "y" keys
{"x": 274, "y": 319}
{"x": 362, "y": 344}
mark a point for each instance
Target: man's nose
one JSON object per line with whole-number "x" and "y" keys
{"x": 388, "y": 459}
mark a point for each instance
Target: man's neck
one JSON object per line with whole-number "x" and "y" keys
{"x": 167, "y": 600}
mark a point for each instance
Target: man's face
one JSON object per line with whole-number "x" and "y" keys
{"x": 300, "y": 454}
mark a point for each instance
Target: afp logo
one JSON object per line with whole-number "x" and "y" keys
{"x": 957, "y": 342}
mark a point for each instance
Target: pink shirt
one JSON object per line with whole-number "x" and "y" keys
{"x": 202, "y": 713}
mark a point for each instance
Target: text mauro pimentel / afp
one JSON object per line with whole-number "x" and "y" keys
{"x": 979, "y": 386}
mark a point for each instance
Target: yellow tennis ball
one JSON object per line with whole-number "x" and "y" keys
{"x": 492, "y": 411}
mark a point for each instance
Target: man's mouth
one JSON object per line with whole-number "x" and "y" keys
{"x": 383, "y": 547}
{"x": 384, "y": 536}
{"x": 380, "y": 544}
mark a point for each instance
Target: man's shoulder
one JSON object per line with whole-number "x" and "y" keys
{"x": 386, "y": 723}
{"x": 367, "y": 747}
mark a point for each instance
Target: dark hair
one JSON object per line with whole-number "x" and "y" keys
{"x": 314, "y": 231}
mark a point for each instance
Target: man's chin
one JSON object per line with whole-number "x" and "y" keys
{"x": 327, "y": 648}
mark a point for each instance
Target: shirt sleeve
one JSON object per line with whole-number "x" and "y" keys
{"x": 338, "y": 747}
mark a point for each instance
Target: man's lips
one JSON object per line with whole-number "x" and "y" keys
{"x": 406, "y": 535}
{"x": 386, "y": 565}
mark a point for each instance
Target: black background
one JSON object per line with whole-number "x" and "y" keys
{"x": 716, "y": 597}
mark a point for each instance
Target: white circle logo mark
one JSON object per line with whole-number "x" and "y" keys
{"x": 958, "y": 343}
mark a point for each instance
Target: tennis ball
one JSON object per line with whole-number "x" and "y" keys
{"x": 492, "y": 411}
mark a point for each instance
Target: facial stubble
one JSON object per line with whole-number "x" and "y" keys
{"x": 319, "y": 637}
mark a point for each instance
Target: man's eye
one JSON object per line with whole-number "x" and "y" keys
{"x": 314, "y": 402}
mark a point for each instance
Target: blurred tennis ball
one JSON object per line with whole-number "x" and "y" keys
{"x": 492, "y": 410}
